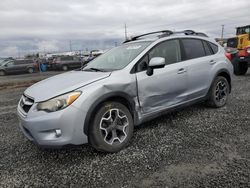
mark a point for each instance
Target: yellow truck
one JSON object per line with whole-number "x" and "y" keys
{"x": 241, "y": 42}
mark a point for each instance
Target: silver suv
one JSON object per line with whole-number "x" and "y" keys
{"x": 143, "y": 78}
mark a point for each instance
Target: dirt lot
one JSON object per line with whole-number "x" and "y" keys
{"x": 24, "y": 80}
{"x": 194, "y": 147}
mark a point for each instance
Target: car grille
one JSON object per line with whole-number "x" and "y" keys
{"x": 25, "y": 104}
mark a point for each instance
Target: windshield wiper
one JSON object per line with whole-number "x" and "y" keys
{"x": 94, "y": 69}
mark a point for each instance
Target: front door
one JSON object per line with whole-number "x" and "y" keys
{"x": 167, "y": 86}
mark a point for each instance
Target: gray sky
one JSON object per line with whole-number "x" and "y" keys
{"x": 48, "y": 25}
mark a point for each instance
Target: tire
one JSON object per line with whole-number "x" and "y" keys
{"x": 112, "y": 127}
{"x": 30, "y": 70}
{"x": 64, "y": 67}
{"x": 2, "y": 73}
{"x": 240, "y": 68}
{"x": 218, "y": 93}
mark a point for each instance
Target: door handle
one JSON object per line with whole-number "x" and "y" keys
{"x": 212, "y": 62}
{"x": 181, "y": 71}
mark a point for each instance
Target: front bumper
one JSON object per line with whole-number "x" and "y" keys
{"x": 55, "y": 129}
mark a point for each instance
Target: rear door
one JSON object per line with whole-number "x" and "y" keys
{"x": 167, "y": 86}
{"x": 198, "y": 58}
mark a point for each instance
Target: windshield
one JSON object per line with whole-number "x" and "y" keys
{"x": 117, "y": 58}
{"x": 243, "y": 30}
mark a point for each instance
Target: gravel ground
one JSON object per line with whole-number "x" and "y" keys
{"x": 193, "y": 147}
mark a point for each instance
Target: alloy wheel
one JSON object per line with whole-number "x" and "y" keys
{"x": 221, "y": 92}
{"x": 114, "y": 126}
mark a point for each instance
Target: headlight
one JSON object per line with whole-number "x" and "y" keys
{"x": 58, "y": 103}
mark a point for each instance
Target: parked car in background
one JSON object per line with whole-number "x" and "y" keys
{"x": 66, "y": 62}
{"x": 18, "y": 66}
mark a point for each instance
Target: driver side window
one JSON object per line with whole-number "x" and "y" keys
{"x": 170, "y": 50}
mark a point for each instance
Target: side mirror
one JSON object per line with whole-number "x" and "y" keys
{"x": 155, "y": 63}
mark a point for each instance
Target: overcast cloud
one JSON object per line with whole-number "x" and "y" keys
{"x": 29, "y": 26}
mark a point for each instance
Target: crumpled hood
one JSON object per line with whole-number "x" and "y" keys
{"x": 63, "y": 83}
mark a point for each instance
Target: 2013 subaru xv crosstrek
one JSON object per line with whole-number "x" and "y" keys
{"x": 102, "y": 102}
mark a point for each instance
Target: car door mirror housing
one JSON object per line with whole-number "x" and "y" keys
{"x": 155, "y": 63}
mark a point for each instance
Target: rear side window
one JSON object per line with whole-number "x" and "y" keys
{"x": 170, "y": 50}
{"x": 214, "y": 47}
{"x": 193, "y": 48}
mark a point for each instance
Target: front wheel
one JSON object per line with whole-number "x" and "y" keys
{"x": 219, "y": 91}
{"x": 112, "y": 127}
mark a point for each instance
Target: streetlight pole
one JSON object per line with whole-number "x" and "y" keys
{"x": 222, "y": 31}
{"x": 126, "y": 32}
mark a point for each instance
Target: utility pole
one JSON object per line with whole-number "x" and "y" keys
{"x": 222, "y": 31}
{"x": 126, "y": 33}
{"x": 70, "y": 45}
{"x": 19, "y": 53}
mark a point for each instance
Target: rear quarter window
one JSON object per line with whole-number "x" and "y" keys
{"x": 207, "y": 48}
{"x": 214, "y": 47}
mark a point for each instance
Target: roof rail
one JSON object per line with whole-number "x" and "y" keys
{"x": 166, "y": 33}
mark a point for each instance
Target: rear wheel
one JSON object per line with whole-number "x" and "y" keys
{"x": 30, "y": 70}
{"x": 64, "y": 67}
{"x": 218, "y": 94}
{"x": 112, "y": 127}
{"x": 240, "y": 68}
{"x": 2, "y": 73}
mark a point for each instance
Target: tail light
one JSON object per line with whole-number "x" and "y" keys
{"x": 229, "y": 56}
